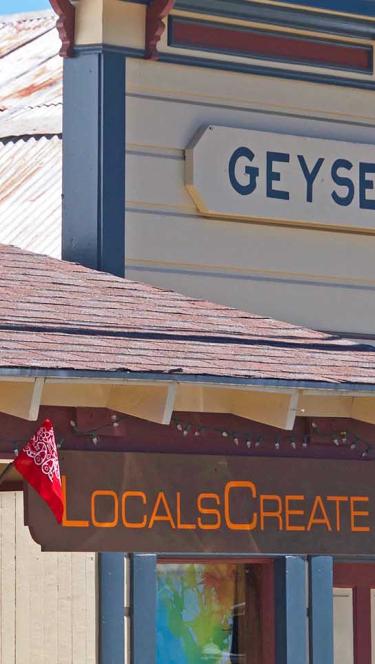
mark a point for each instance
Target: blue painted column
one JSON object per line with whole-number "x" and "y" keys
{"x": 111, "y": 608}
{"x": 144, "y": 605}
{"x": 93, "y": 232}
{"x": 291, "y": 610}
{"x": 321, "y": 609}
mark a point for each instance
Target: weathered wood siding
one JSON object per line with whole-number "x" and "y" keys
{"x": 319, "y": 278}
{"x": 47, "y": 600}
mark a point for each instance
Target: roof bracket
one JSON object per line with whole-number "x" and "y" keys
{"x": 65, "y": 25}
{"x": 157, "y": 10}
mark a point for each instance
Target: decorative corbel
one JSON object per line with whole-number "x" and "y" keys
{"x": 157, "y": 10}
{"x": 65, "y": 25}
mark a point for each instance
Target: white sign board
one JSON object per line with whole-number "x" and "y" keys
{"x": 245, "y": 174}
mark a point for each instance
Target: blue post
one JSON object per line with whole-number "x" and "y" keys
{"x": 111, "y": 608}
{"x": 321, "y": 609}
{"x": 143, "y": 603}
{"x": 93, "y": 230}
{"x": 291, "y": 610}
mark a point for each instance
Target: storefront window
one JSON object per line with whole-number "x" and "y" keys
{"x": 209, "y": 613}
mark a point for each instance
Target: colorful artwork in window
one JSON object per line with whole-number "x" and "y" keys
{"x": 199, "y": 610}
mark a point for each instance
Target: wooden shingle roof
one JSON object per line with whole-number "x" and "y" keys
{"x": 56, "y": 315}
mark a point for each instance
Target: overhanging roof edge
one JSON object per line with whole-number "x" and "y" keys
{"x": 201, "y": 379}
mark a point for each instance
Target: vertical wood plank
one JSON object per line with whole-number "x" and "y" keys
{"x": 91, "y": 594}
{"x": 36, "y": 601}
{"x": 50, "y": 614}
{"x": 47, "y": 600}
{"x": 8, "y": 577}
{"x": 79, "y": 607}
{"x": 64, "y": 610}
{"x": 23, "y": 571}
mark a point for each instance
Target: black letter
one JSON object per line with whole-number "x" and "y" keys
{"x": 310, "y": 177}
{"x": 251, "y": 171}
{"x": 342, "y": 182}
{"x": 275, "y": 177}
{"x": 364, "y": 184}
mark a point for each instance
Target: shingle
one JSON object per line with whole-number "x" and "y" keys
{"x": 59, "y": 315}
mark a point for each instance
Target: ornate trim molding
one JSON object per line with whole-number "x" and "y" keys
{"x": 157, "y": 10}
{"x": 65, "y": 25}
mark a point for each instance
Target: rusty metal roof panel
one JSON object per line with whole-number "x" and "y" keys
{"x": 25, "y": 121}
{"x": 30, "y": 75}
{"x": 19, "y": 29}
{"x": 30, "y": 132}
{"x": 30, "y": 194}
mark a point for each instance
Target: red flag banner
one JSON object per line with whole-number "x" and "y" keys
{"x": 38, "y": 463}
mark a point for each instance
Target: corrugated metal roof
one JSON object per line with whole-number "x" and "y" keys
{"x": 58, "y": 315}
{"x": 30, "y": 107}
{"x": 18, "y": 29}
{"x": 30, "y": 75}
{"x": 30, "y": 194}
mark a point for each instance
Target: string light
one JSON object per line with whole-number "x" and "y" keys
{"x": 115, "y": 421}
{"x": 258, "y": 441}
{"x": 342, "y": 439}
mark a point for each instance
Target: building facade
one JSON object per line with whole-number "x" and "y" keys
{"x": 222, "y": 149}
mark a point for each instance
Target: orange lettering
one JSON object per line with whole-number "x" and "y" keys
{"x": 208, "y": 510}
{"x": 133, "y": 494}
{"x": 338, "y": 500}
{"x": 161, "y": 517}
{"x": 289, "y": 513}
{"x": 323, "y": 520}
{"x": 68, "y": 523}
{"x": 104, "y": 524}
{"x": 228, "y": 488}
{"x": 180, "y": 525}
{"x": 354, "y": 513}
{"x": 274, "y": 514}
